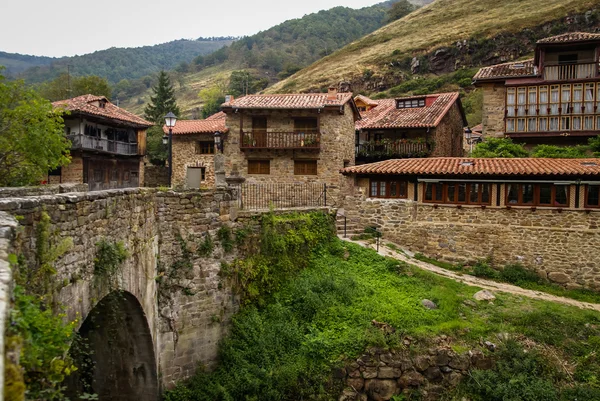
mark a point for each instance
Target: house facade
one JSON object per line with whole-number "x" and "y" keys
{"x": 291, "y": 138}
{"x": 194, "y": 151}
{"x": 416, "y": 126}
{"x": 108, "y": 144}
{"x": 550, "y": 99}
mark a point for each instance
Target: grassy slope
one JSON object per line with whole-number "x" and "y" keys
{"x": 322, "y": 317}
{"x": 440, "y": 23}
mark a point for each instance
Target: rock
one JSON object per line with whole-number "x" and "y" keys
{"x": 558, "y": 277}
{"x": 367, "y": 360}
{"x": 490, "y": 345}
{"x": 347, "y": 395}
{"x": 468, "y": 302}
{"x": 411, "y": 379}
{"x": 369, "y": 372}
{"x": 414, "y": 65}
{"x": 484, "y": 295}
{"x": 453, "y": 379}
{"x": 356, "y": 383}
{"x": 433, "y": 374}
{"x": 339, "y": 373}
{"x": 443, "y": 357}
{"x": 354, "y": 373}
{"x": 381, "y": 390}
{"x": 388, "y": 372}
{"x": 421, "y": 363}
{"x": 480, "y": 361}
{"x": 459, "y": 362}
{"x": 445, "y": 369}
{"x": 428, "y": 304}
{"x": 397, "y": 361}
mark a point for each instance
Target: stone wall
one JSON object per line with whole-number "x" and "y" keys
{"x": 7, "y": 229}
{"x": 560, "y": 245}
{"x": 156, "y": 176}
{"x": 447, "y": 137}
{"x": 73, "y": 172}
{"x": 380, "y": 374}
{"x": 194, "y": 306}
{"x": 184, "y": 156}
{"x": 16, "y": 192}
{"x": 494, "y": 102}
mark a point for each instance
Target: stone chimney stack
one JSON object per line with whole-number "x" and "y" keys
{"x": 229, "y": 98}
{"x": 332, "y": 93}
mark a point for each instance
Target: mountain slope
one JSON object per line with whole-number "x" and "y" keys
{"x": 444, "y": 22}
{"x": 116, "y": 64}
{"x": 16, "y": 63}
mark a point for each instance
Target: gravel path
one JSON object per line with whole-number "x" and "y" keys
{"x": 474, "y": 281}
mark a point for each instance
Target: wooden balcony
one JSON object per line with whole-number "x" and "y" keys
{"x": 308, "y": 140}
{"x": 384, "y": 150}
{"x": 86, "y": 142}
{"x": 570, "y": 71}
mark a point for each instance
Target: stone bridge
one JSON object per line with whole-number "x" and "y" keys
{"x": 173, "y": 306}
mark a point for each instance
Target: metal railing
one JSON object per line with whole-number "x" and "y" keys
{"x": 570, "y": 71}
{"x": 261, "y": 196}
{"x": 280, "y": 140}
{"x": 81, "y": 141}
{"x": 398, "y": 149}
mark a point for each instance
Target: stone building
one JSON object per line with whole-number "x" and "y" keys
{"x": 416, "y": 126}
{"x": 550, "y": 99}
{"x": 292, "y": 138}
{"x": 108, "y": 144}
{"x": 542, "y": 213}
{"x": 194, "y": 151}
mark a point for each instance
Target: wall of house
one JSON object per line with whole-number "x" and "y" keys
{"x": 494, "y": 100}
{"x": 447, "y": 137}
{"x": 184, "y": 156}
{"x": 73, "y": 172}
{"x": 560, "y": 245}
{"x": 111, "y": 173}
{"x": 336, "y": 151}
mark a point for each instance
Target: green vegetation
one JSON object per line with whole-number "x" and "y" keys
{"x": 558, "y": 152}
{"x": 225, "y": 237}
{"x": 438, "y": 263}
{"x": 32, "y": 140}
{"x": 162, "y": 102}
{"x": 66, "y": 87}
{"x": 287, "y": 347}
{"x": 109, "y": 257}
{"x": 399, "y": 10}
{"x": 499, "y": 147}
{"x": 212, "y": 99}
{"x": 207, "y": 246}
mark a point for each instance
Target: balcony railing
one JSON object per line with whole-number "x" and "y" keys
{"x": 382, "y": 150}
{"x": 280, "y": 140}
{"x": 86, "y": 142}
{"x": 570, "y": 71}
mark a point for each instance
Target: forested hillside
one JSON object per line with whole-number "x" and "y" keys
{"x": 116, "y": 64}
{"x": 16, "y": 63}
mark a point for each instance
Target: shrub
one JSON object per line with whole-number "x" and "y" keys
{"x": 499, "y": 147}
{"x": 517, "y": 274}
{"x": 483, "y": 269}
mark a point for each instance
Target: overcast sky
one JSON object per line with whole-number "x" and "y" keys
{"x": 70, "y": 27}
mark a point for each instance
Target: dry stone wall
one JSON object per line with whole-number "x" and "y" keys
{"x": 560, "y": 245}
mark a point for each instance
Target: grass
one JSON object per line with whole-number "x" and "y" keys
{"x": 441, "y": 23}
{"x": 322, "y": 317}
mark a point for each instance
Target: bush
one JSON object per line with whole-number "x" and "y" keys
{"x": 560, "y": 152}
{"x": 517, "y": 274}
{"x": 499, "y": 147}
{"x": 483, "y": 269}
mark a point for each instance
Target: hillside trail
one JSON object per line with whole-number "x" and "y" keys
{"x": 384, "y": 250}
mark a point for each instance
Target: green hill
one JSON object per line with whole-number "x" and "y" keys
{"x": 16, "y": 63}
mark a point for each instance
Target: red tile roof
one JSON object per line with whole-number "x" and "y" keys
{"x": 516, "y": 69}
{"x": 210, "y": 125}
{"x": 90, "y": 105}
{"x": 289, "y": 101}
{"x": 470, "y": 166}
{"x": 386, "y": 115}
{"x": 570, "y": 37}
{"x": 365, "y": 100}
{"x": 478, "y": 128}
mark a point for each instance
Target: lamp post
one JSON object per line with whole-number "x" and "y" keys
{"x": 468, "y": 137}
{"x": 218, "y": 143}
{"x": 170, "y": 120}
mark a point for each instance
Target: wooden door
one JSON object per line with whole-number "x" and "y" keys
{"x": 259, "y": 132}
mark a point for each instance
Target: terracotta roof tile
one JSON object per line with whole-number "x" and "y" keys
{"x": 210, "y": 125}
{"x": 471, "y": 166}
{"x": 365, "y": 100}
{"x": 478, "y": 128}
{"x": 516, "y": 69}
{"x": 87, "y": 104}
{"x": 570, "y": 37}
{"x": 386, "y": 115}
{"x": 289, "y": 101}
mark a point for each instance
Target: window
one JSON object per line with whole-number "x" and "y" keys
{"x": 305, "y": 167}
{"x": 388, "y": 188}
{"x": 537, "y": 195}
{"x": 458, "y": 193}
{"x": 410, "y": 103}
{"x": 205, "y": 147}
{"x": 592, "y": 196}
{"x": 259, "y": 167}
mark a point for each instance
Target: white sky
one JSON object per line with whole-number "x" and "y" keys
{"x": 69, "y": 27}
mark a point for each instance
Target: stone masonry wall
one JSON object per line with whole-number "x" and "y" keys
{"x": 494, "y": 97}
{"x": 184, "y": 156}
{"x": 337, "y": 148}
{"x": 558, "y": 245}
{"x": 448, "y": 135}
{"x": 193, "y": 307}
{"x": 156, "y": 176}
{"x": 73, "y": 172}
{"x": 7, "y": 229}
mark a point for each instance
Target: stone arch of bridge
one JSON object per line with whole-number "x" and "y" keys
{"x": 114, "y": 352}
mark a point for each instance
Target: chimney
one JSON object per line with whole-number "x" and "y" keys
{"x": 332, "y": 93}
{"x": 228, "y": 98}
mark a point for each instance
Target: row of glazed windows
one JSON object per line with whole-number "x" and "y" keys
{"x": 526, "y": 194}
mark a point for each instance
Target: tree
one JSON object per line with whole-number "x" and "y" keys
{"x": 499, "y": 147}
{"x": 162, "y": 102}
{"x": 157, "y": 152}
{"x": 560, "y": 152}
{"x": 32, "y": 140}
{"x": 399, "y": 10}
{"x": 91, "y": 84}
{"x": 213, "y": 98}
{"x": 65, "y": 87}
{"x": 243, "y": 82}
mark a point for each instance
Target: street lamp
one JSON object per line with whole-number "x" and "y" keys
{"x": 218, "y": 143}
{"x": 469, "y": 138}
{"x": 170, "y": 120}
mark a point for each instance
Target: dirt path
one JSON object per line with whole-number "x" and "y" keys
{"x": 474, "y": 281}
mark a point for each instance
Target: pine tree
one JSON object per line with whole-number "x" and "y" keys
{"x": 162, "y": 102}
